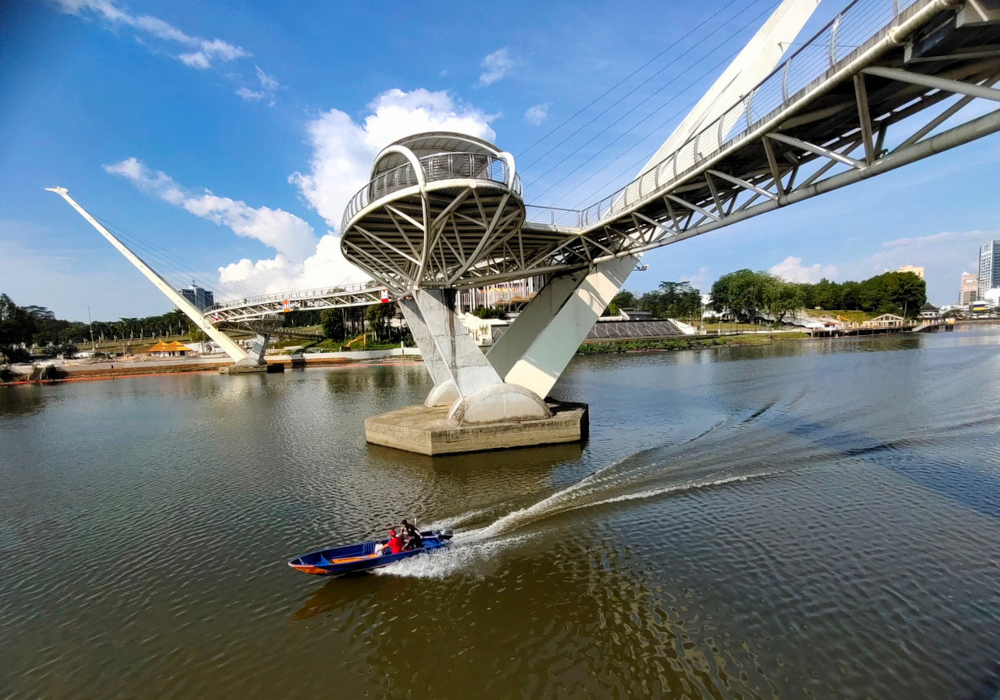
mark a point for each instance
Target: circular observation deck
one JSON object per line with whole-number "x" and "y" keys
{"x": 438, "y": 210}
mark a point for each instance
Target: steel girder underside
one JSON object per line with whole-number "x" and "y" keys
{"x": 441, "y": 236}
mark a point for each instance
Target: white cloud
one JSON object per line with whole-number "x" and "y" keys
{"x": 275, "y": 228}
{"x": 944, "y": 256}
{"x": 268, "y": 86}
{"x": 343, "y": 151}
{"x": 496, "y": 66}
{"x": 301, "y": 262}
{"x": 327, "y": 267}
{"x": 249, "y": 95}
{"x": 537, "y": 114}
{"x": 267, "y": 82}
{"x": 792, "y": 270}
{"x": 199, "y": 53}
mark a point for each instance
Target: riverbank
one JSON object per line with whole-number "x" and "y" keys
{"x": 181, "y": 365}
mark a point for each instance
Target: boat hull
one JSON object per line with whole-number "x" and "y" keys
{"x": 362, "y": 557}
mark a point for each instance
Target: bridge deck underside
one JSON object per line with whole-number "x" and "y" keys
{"x": 467, "y": 229}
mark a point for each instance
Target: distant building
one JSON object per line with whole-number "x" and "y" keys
{"x": 989, "y": 267}
{"x": 918, "y": 271}
{"x": 992, "y": 298}
{"x": 885, "y": 321}
{"x": 970, "y": 289}
{"x": 173, "y": 349}
{"x": 201, "y": 298}
{"x": 929, "y": 311}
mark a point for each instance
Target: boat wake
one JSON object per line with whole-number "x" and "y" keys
{"x": 706, "y": 460}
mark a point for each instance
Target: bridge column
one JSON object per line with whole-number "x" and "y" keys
{"x": 482, "y": 395}
{"x": 554, "y": 324}
{"x": 444, "y": 393}
{"x": 258, "y": 348}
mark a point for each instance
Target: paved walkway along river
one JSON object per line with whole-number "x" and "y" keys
{"x": 809, "y": 519}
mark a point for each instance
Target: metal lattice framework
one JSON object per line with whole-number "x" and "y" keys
{"x": 241, "y": 311}
{"x": 438, "y": 207}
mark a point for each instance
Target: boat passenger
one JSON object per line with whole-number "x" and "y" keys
{"x": 394, "y": 545}
{"x": 411, "y": 536}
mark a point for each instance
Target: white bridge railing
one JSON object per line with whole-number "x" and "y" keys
{"x": 440, "y": 166}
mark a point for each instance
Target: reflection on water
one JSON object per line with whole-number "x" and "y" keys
{"x": 814, "y": 519}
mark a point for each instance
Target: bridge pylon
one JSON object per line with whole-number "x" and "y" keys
{"x": 243, "y": 361}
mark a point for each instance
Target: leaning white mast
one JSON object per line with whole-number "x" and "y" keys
{"x": 230, "y": 346}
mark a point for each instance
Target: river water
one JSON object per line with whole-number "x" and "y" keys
{"x": 808, "y": 519}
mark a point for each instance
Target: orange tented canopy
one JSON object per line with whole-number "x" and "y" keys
{"x": 177, "y": 347}
{"x": 160, "y": 347}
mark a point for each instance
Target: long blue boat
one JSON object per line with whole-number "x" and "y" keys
{"x": 354, "y": 558}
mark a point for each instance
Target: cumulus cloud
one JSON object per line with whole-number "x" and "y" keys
{"x": 193, "y": 51}
{"x": 343, "y": 150}
{"x": 285, "y": 232}
{"x": 324, "y": 268}
{"x": 537, "y": 114}
{"x": 496, "y": 66}
{"x": 792, "y": 270}
{"x": 301, "y": 261}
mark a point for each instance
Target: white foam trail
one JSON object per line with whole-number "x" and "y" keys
{"x": 564, "y": 501}
{"x": 473, "y": 558}
{"x": 678, "y": 488}
{"x": 461, "y": 518}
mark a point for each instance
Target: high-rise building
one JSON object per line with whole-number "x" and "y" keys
{"x": 970, "y": 289}
{"x": 989, "y": 267}
{"x": 201, "y": 298}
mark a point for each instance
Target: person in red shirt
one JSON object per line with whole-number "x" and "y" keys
{"x": 394, "y": 545}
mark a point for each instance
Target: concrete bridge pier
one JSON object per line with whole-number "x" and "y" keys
{"x": 470, "y": 407}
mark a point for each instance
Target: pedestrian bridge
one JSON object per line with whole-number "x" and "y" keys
{"x": 886, "y": 83}
{"x": 271, "y": 305}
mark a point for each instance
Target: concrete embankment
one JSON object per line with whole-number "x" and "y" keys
{"x": 71, "y": 371}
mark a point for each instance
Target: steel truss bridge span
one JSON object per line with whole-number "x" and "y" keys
{"x": 270, "y": 306}
{"x": 819, "y": 122}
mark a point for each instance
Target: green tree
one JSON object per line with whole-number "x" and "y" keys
{"x": 782, "y": 298}
{"x": 742, "y": 293}
{"x": 622, "y": 300}
{"x": 17, "y": 327}
{"x": 679, "y": 300}
{"x": 333, "y": 324}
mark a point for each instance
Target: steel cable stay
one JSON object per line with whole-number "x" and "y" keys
{"x": 624, "y": 80}
{"x": 768, "y": 10}
{"x": 177, "y": 265}
{"x": 656, "y": 130}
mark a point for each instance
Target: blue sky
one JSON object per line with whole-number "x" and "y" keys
{"x": 231, "y": 134}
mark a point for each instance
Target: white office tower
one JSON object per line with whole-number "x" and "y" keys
{"x": 989, "y": 267}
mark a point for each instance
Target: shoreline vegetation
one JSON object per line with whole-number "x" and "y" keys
{"x": 125, "y": 369}
{"x": 180, "y": 365}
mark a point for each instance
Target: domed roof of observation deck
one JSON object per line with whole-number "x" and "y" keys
{"x": 430, "y": 143}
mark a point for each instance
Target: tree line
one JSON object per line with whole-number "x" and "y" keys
{"x": 750, "y": 297}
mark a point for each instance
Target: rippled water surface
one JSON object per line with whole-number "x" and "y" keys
{"x": 814, "y": 519}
